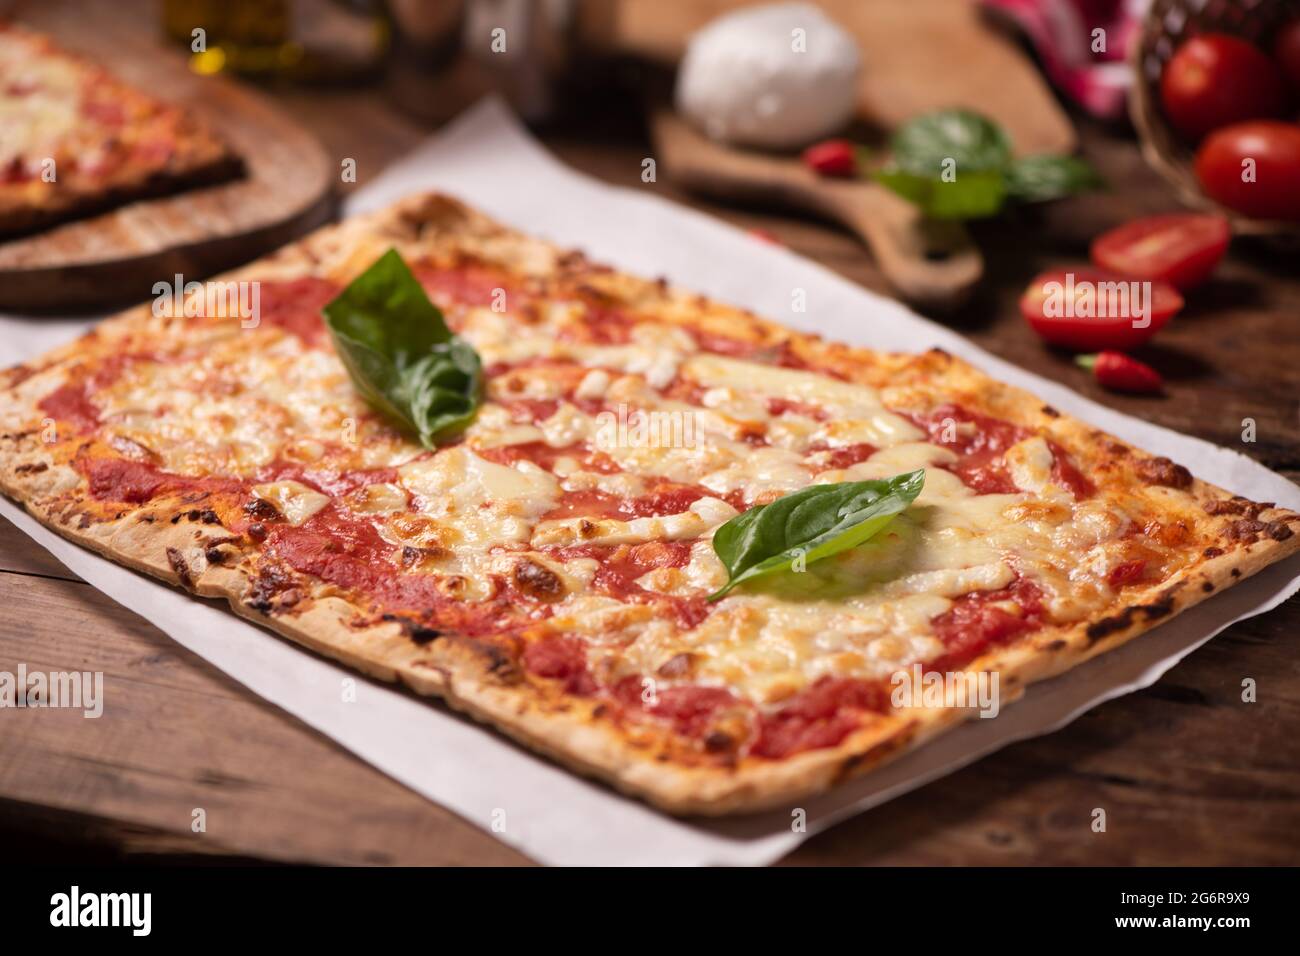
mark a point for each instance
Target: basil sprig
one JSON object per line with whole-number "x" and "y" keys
{"x": 977, "y": 153}
{"x": 1038, "y": 178}
{"x": 816, "y": 523}
{"x": 400, "y": 354}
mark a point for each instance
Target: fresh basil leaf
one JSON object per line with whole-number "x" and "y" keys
{"x": 816, "y": 523}
{"x": 400, "y": 354}
{"x": 974, "y": 142}
{"x": 971, "y": 195}
{"x": 1039, "y": 178}
{"x": 956, "y": 164}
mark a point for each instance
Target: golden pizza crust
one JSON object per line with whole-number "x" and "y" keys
{"x": 170, "y": 539}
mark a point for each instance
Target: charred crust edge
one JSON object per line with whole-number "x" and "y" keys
{"x": 1163, "y": 606}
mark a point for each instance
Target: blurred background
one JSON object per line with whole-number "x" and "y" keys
{"x": 300, "y": 87}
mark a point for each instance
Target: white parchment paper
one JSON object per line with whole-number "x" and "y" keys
{"x": 490, "y": 161}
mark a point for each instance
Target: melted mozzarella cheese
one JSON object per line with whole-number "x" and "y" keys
{"x": 704, "y": 515}
{"x": 242, "y": 402}
{"x": 249, "y": 397}
{"x": 484, "y": 503}
{"x": 294, "y": 500}
{"x": 1030, "y": 464}
{"x": 382, "y": 498}
{"x": 35, "y": 121}
{"x": 856, "y": 410}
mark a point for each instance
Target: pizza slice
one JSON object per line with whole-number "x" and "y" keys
{"x": 551, "y": 562}
{"x": 75, "y": 140}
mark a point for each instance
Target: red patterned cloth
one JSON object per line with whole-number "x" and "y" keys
{"x": 1090, "y": 67}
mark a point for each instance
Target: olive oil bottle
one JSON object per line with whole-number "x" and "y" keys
{"x": 308, "y": 40}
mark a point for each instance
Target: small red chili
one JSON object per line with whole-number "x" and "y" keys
{"x": 834, "y": 157}
{"x": 1117, "y": 371}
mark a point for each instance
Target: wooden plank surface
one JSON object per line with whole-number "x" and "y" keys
{"x": 1186, "y": 771}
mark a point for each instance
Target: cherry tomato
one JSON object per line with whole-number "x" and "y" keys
{"x": 1215, "y": 79}
{"x": 1090, "y": 310}
{"x": 1253, "y": 168}
{"x": 1286, "y": 51}
{"x": 1181, "y": 248}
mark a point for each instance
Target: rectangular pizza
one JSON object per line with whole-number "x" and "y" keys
{"x": 75, "y": 140}
{"x": 672, "y": 545}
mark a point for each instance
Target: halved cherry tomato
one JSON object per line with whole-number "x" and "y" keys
{"x": 1180, "y": 248}
{"x": 1253, "y": 168}
{"x": 1089, "y": 310}
{"x": 1215, "y": 79}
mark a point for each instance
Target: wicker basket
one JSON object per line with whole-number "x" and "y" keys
{"x": 1167, "y": 24}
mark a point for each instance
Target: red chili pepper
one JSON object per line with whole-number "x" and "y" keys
{"x": 834, "y": 157}
{"x": 1120, "y": 372}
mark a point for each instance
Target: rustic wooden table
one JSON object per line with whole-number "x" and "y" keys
{"x": 1187, "y": 773}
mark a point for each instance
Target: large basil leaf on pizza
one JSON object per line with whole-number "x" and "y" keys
{"x": 400, "y": 353}
{"x": 811, "y": 524}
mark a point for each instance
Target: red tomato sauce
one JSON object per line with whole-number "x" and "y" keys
{"x": 979, "y": 453}
{"x": 294, "y": 305}
{"x": 980, "y": 463}
{"x": 684, "y": 390}
{"x": 544, "y": 456}
{"x": 134, "y": 482}
{"x": 469, "y": 284}
{"x": 122, "y": 479}
{"x": 529, "y": 411}
{"x": 72, "y": 401}
{"x": 819, "y": 716}
{"x": 845, "y": 456}
{"x": 621, "y": 565}
{"x": 689, "y": 708}
{"x": 975, "y": 624}
{"x": 497, "y": 369}
{"x": 722, "y": 344}
{"x": 562, "y": 658}
{"x": 790, "y": 406}
{"x": 1130, "y": 572}
{"x": 665, "y": 498}
{"x": 347, "y": 550}
{"x": 1066, "y": 474}
{"x": 781, "y": 355}
{"x": 606, "y": 324}
{"x": 330, "y": 482}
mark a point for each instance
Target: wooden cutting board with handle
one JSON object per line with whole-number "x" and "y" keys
{"x": 115, "y": 257}
{"x": 933, "y": 265}
{"x": 917, "y": 57}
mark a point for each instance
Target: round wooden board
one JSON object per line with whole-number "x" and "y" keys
{"x": 117, "y": 256}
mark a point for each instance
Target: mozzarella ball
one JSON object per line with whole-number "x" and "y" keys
{"x": 778, "y": 77}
